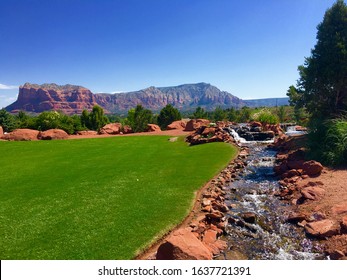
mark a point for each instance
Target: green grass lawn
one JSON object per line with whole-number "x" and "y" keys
{"x": 103, "y": 198}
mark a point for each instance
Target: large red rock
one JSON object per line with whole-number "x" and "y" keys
{"x": 111, "y": 128}
{"x": 313, "y": 193}
{"x": 53, "y": 134}
{"x": 153, "y": 127}
{"x": 322, "y": 229}
{"x": 127, "y": 129}
{"x": 21, "y": 135}
{"x": 38, "y": 98}
{"x": 176, "y": 125}
{"x": 183, "y": 245}
{"x": 1, "y": 131}
{"x": 196, "y": 123}
{"x": 312, "y": 168}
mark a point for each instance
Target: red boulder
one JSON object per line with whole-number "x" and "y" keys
{"x": 53, "y": 134}
{"x": 21, "y": 135}
{"x": 312, "y": 168}
{"x": 153, "y": 127}
{"x": 176, "y": 125}
{"x": 111, "y": 128}
{"x": 183, "y": 245}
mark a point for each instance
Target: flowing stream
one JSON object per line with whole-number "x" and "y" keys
{"x": 257, "y": 227}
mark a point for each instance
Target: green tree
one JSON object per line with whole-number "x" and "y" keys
{"x": 167, "y": 115}
{"x": 97, "y": 119}
{"x": 219, "y": 114}
{"x": 244, "y": 114}
{"x": 7, "y": 121}
{"x": 281, "y": 113}
{"x": 199, "y": 113}
{"x": 139, "y": 117}
{"x": 322, "y": 87}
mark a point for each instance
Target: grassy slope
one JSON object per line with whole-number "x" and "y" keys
{"x": 97, "y": 198}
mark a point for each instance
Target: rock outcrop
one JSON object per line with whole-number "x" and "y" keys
{"x": 69, "y": 99}
{"x": 1, "y": 131}
{"x": 21, "y": 135}
{"x": 183, "y": 245}
{"x": 153, "y": 127}
{"x": 72, "y": 99}
{"x": 111, "y": 128}
{"x": 53, "y": 134}
{"x": 177, "y": 125}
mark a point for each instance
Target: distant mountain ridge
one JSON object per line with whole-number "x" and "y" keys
{"x": 72, "y": 99}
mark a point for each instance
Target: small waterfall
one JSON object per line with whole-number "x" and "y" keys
{"x": 267, "y": 236}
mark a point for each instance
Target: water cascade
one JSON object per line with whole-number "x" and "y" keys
{"x": 256, "y": 220}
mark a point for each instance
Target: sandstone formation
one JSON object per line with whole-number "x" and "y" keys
{"x": 53, "y": 134}
{"x": 111, "y": 128}
{"x": 195, "y": 124}
{"x": 177, "y": 125}
{"x": 21, "y": 135}
{"x": 69, "y": 99}
{"x": 153, "y": 127}
{"x": 183, "y": 245}
{"x": 1, "y": 131}
{"x": 204, "y": 134}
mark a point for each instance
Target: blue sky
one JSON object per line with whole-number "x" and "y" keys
{"x": 249, "y": 48}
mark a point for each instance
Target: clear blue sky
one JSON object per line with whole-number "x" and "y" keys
{"x": 250, "y": 48}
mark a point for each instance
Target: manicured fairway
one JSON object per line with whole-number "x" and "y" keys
{"x": 98, "y": 198}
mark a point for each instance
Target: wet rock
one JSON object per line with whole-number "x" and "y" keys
{"x": 312, "y": 168}
{"x": 312, "y": 193}
{"x": 21, "y": 135}
{"x": 53, "y": 134}
{"x": 183, "y": 245}
{"x": 296, "y": 217}
{"x": 322, "y": 229}
{"x": 291, "y": 173}
{"x": 249, "y": 217}
{"x": 215, "y": 215}
{"x": 111, "y": 128}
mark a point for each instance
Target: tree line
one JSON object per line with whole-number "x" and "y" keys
{"x": 138, "y": 118}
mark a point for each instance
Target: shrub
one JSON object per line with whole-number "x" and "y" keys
{"x": 266, "y": 117}
{"x": 335, "y": 142}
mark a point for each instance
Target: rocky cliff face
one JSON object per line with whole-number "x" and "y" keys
{"x": 72, "y": 99}
{"x": 183, "y": 97}
{"x": 38, "y": 98}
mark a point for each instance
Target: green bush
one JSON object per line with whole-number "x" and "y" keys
{"x": 266, "y": 117}
{"x": 335, "y": 142}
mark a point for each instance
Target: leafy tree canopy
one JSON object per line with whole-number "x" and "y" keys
{"x": 322, "y": 87}
{"x": 167, "y": 115}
